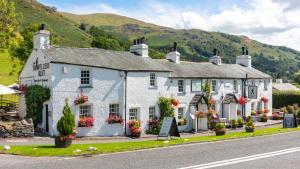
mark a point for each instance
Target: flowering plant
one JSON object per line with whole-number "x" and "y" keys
{"x": 175, "y": 102}
{"x": 114, "y": 118}
{"x": 242, "y": 100}
{"x": 135, "y": 127}
{"x": 81, "y": 99}
{"x": 200, "y": 114}
{"x": 86, "y": 122}
{"x": 266, "y": 110}
{"x": 264, "y": 99}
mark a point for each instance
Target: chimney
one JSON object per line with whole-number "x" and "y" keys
{"x": 139, "y": 47}
{"x": 215, "y": 59}
{"x": 174, "y": 55}
{"x": 41, "y": 39}
{"x": 244, "y": 59}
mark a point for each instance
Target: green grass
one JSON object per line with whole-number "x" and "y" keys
{"x": 102, "y": 148}
{"x": 9, "y": 69}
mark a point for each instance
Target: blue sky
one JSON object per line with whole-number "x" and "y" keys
{"x": 270, "y": 21}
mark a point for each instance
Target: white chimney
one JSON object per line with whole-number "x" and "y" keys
{"x": 244, "y": 59}
{"x": 139, "y": 47}
{"x": 215, "y": 59}
{"x": 41, "y": 39}
{"x": 174, "y": 55}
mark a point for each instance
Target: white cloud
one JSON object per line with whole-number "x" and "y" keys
{"x": 270, "y": 21}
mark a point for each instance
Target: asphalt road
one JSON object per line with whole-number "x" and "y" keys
{"x": 268, "y": 152}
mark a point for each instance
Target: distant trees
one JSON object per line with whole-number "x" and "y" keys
{"x": 82, "y": 26}
{"x": 9, "y": 35}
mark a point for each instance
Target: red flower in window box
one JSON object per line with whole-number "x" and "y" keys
{"x": 242, "y": 100}
{"x": 81, "y": 99}
{"x": 264, "y": 99}
{"x": 175, "y": 102}
{"x": 86, "y": 122}
{"x": 114, "y": 118}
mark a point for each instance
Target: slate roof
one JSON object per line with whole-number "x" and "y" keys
{"x": 285, "y": 86}
{"x": 102, "y": 58}
{"x": 210, "y": 70}
{"x": 121, "y": 60}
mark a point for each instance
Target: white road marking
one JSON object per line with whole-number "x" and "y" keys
{"x": 243, "y": 159}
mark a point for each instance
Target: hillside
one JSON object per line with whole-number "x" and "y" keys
{"x": 9, "y": 69}
{"x": 65, "y": 31}
{"x": 197, "y": 45}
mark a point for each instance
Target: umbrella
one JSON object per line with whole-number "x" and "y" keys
{"x": 6, "y": 90}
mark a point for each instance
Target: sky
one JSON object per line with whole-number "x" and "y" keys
{"x": 275, "y": 22}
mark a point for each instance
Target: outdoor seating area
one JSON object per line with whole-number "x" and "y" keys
{"x": 8, "y": 107}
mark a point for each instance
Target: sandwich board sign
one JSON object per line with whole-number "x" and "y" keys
{"x": 289, "y": 121}
{"x": 168, "y": 128}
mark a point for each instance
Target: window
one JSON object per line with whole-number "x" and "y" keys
{"x": 252, "y": 106}
{"x": 235, "y": 88}
{"x": 133, "y": 113}
{"x": 151, "y": 112}
{"x": 180, "y": 85}
{"x": 114, "y": 108}
{"x": 152, "y": 80}
{"x": 85, "y": 78}
{"x": 85, "y": 111}
{"x": 266, "y": 84}
{"x": 196, "y": 85}
{"x": 214, "y": 85}
{"x": 180, "y": 112}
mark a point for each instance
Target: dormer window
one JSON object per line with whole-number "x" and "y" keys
{"x": 152, "y": 79}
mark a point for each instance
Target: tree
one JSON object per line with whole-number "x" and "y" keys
{"x": 66, "y": 124}
{"x": 9, "y": 35}
{"x": 82, "y": 26}
{"x": 23, "y": 50}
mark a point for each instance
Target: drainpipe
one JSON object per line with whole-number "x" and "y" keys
{"x": 125, "y": 105}
{"x": 244, "y": 95}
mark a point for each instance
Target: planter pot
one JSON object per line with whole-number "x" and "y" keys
{"x": 136, "y": 135}
{"x": 61, "y": 142}
{"x": 249, "y": 130}
{"x": 220, "y": 132}
{"x": 263, "y": 119}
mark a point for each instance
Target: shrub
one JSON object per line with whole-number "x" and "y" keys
{"x": 250, "y": 124}
{"x": 240, "y": 121}
{"x": 298, "y": 114}
{"x": 253, "y": 113}
{"x": 233, "y": 123}
{"x": 249, "y": 118}
{"x": 290, "y": 109}
{"x": 182, "y": 122}
{"x": 35, "y": 96}
{"x": 264, "y": 117}
{"x": 220, "y": 126}
{"x": 154, "y": 126}
{"x": 166, "y": 109}
{"x": 66, "y": 124}
{"x": 283, "y": 98}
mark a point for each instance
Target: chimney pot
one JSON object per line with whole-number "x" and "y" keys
{"x": 243, "y": 50}
{"x": 215, "y": 52}
{"x": 42, "y": 27}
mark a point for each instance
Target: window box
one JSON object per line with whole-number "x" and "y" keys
{"x": 114, "y": 118}
{"x": 86, "y": 122}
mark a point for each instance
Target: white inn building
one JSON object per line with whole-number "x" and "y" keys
{"x": 130, "y": 84}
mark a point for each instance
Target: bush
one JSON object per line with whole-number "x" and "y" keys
{"x": 264, "y": 118}
{"x": 240, "y": 122}
{"x": 250, "y": 124}
{"x": 220, "y": 126}
{"x": 290, "y": 109}
{"x": 154, "y": 126}
{"x": 166, "y": 109}
{"x": 66, "y": 124}
{"x": 283, "y": 98}
{"x": 35, "y": 97}
{"x": 233, "y": 123}
{"x": 298, "y": 114}
{"x": 249, "y": 118}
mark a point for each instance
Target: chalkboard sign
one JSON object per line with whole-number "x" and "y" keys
{"x": 289, "y": 121}
{"x": 169, "y": 128}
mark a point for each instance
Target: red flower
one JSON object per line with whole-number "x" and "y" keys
{"x": 86, "y": 122}
{"x": 264, "y": 99}
{"x": 175, "y": 102}
{"x": 81, "y": 99}
{"x": 114, "y": 118}
{"x": 242, "y": 100}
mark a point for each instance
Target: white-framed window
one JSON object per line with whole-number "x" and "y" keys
{"x": 180, "y": 112}
{"x": 266, "y": 83}
{"x": 181, "y": 86}
{"x": 114, "y": 109}
{"x": 85, "y": 111}
{"x": 152, "y": 79}
{"x": 235, "y": 85}
{"x": 133, "y": 114}
{"x": 151, "y": 112}
{"x": 214, "y": 85}
{"x": 85, "y": 77}
{"x": 196, "y": 85}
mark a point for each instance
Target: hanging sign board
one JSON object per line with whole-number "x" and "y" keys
{"x": 289, "y": 121}
{"x": 252, "y": 92}
{"x": 169, "y": 128}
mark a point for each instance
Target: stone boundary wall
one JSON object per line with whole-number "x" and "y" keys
{"x": 20, "y": 128}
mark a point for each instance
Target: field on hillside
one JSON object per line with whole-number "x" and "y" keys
{"x": 9, "y": 69}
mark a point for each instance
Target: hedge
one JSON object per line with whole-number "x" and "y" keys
{"x": 284, "y": 98}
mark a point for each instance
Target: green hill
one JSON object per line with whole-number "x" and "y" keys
{"x": 9, "y": 69}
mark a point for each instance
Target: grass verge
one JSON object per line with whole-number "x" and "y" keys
{"x": 102, "y": 148}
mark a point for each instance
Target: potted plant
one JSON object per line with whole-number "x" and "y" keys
{"x": 65, "y": 128}
{"x": 220, "y": 129}
{"x": 81, "y": 99}
{"x": 233, "y": 123}
{"x": 249, "y": 118}
{"x": 86, "y": 122}
{"x": 114, "y": 118}
{"x": 182, "y": 122}
{"x": 135, "y": 128}
{"x": 264, "y": 117}
{"x": 264, "y": 99}
{"x": 240, "y": 122}
{"x": 249, "y": 127}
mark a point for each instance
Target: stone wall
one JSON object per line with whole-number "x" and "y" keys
{"x": 20, "y": 128}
